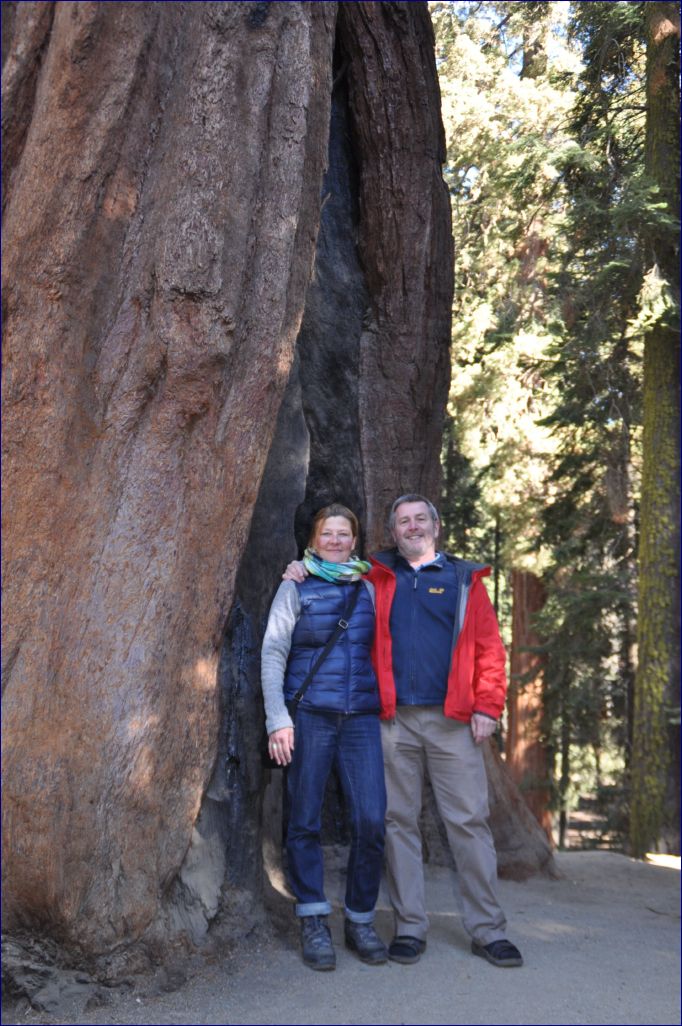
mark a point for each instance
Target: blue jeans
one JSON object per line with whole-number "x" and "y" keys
{"x": 353, "y": 744}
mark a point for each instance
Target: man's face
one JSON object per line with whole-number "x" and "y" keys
{"x": 415, "y": 533}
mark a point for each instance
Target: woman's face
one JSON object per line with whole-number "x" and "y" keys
{"x": 334, "y": 540}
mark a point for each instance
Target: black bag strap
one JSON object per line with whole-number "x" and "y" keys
{"x": 341, "y": 626}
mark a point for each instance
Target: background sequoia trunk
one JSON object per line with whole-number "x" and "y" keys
{"x": 526, "y": 753}
{"x": 167, "y": 436}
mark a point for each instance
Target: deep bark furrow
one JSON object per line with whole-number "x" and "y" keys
{"x": 405, "y": 247}
{"x": 25, "y": 35}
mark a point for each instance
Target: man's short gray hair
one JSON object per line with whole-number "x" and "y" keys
{"x": 412, "y": 497}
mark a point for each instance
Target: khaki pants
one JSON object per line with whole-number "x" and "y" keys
{"x": 420, "y": 738}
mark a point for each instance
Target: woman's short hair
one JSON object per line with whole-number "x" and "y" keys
{"x": 334, "y": 510}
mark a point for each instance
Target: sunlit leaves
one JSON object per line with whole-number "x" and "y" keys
{"x": 544, "y": 113}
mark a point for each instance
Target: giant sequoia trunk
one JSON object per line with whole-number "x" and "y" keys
{"x": 164, "y": 187}
{"x": 160, "y": 220}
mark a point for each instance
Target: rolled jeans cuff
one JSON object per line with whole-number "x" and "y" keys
{"x": 313, "y": 908}
{"x": 359, "y": 917}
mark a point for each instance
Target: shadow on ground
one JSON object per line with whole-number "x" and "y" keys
{"x": 601, "y": 945}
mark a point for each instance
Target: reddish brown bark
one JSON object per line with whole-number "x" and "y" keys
{"x": 158, "y": 239}
{"x": 522, "y": 846}
{"x": 162, "y": 209}
{"x": 405, "y": 246}
{"x": 526, "y": 755}
{"x": 25, "y": 33}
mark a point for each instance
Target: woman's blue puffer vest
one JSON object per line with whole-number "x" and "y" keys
{"x": 346, "y": 682}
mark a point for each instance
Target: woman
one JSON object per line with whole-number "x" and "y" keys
{"x": 336, "y": 724}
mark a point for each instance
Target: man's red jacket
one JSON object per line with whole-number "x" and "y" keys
{"x": 477, "y": 681}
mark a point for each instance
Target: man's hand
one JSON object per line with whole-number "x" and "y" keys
{"x": 482, "y": 727}
{"x": 296, "y": 571}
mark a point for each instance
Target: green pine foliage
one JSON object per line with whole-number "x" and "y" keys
{"x": 545, "y": 116}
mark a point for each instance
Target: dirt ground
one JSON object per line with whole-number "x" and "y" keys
{"x": 601, "y": 946}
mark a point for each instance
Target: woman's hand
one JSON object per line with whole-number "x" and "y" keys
{"x": 281, "y": 745}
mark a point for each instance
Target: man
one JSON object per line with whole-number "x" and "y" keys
{"x": 440, "y": 664}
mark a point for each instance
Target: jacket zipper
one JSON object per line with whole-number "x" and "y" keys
{"x": 413, "y": 646}
{"x": 464, "y": 595}
{"x": 346, "y": 641}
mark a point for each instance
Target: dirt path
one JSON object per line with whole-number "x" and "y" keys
{"x": 601, "y": 946}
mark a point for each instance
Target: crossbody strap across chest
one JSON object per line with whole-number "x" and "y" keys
{"x": 341, "y": 627}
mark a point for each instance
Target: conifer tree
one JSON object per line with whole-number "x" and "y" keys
{"x": 655, "y": 764}
{"x": 556, "y": 219}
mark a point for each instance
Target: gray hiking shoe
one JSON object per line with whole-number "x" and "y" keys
{"x": 316, "y": 943}
{"x": 365, "y": 941}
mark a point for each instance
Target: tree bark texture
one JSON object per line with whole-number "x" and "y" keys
{"x": 335, "y": 400}
{"x": 167, "y": 437}
{"x": 655, "y": 804}
{"x": 163, "y": 187}
{"x": 526, "y": 755}
{"x": 160, "y": 222}
{"x": 394, "y": 102}
{"x": 522, "y": 845}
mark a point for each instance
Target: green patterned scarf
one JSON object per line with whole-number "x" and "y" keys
{"x": 334, "y": 572}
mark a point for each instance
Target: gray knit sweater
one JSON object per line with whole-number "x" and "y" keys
{"x": 284, "y": 613}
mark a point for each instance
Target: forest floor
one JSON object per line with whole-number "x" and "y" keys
{"x": 601, "y": 945}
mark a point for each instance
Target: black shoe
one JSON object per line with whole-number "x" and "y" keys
{"x": 406, "y": 949}
{"x": 501, "y": 953}
{"x": 365, "y": 941}
{"x": 316, "y": 943}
